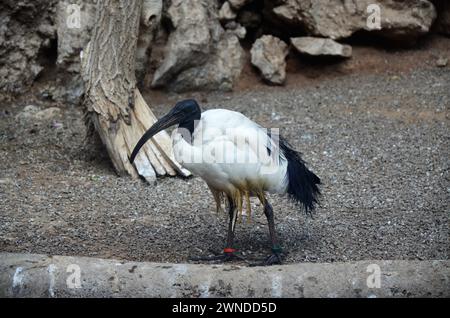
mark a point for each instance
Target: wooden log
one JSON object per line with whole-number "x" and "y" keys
{"x": 114, "y": 106}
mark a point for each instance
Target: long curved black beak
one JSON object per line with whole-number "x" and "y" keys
{"x": 168, "y": 120}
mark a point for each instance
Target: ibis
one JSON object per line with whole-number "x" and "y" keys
{"x": 238, "y": 159}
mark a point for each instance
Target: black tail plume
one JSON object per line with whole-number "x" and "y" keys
{"x": 303, "y": 183}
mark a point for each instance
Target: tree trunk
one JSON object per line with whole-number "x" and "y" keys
{"x": 113, "y": 105}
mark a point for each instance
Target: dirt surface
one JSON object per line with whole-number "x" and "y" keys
{"x": 377, "y": 135}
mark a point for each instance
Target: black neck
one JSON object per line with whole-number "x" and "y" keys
{"x": 189, "y": 125}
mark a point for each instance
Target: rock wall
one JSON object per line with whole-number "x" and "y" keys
{"x": 27, "y": 32}
{"x": 197, "y": 44}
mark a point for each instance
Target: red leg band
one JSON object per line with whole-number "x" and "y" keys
{"x": 229, "y": 250}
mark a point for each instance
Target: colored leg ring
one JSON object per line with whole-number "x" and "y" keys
{"x": 277, "y": 249}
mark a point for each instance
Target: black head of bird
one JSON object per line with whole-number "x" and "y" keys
{"x": 184, "y": 114}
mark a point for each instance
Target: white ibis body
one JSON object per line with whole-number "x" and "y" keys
{"x": 237, "y": 158}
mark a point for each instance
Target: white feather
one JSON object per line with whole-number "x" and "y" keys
{"x": 229, "y": 152}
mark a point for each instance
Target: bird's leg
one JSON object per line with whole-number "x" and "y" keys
{"x": 228, "y": 252}
{"x": 276, "y": 256}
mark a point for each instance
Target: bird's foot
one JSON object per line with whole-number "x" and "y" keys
{"x": 227, "y": 256}
{"x": 273, "y": 259}
{"x": 276, "y": 258}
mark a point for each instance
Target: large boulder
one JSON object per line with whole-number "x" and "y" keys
{"x": 27, "y": 33}
{"x": 268, "y": 55}
{"x": 200, "y": 54}
{"x": 220, "y": 72}
{"x": 321, "y": 47}
{"x": 336, "y": 19}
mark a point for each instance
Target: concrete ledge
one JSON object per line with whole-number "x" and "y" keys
{"x": 32, "y": 275}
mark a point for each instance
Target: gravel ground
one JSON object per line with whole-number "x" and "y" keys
{"x": 379, "y": 142}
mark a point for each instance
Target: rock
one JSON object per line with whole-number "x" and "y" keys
{"x": 48, "y": 113}
{"x": 238, "y": 4}
{"x": 226, "y": 13}
{"x": 74, "y": 23}
{"x": 28, "y": 112}
{"x": 268, "y": 55}
{"x": 199, "y": 53}
{"x": 151, "y": 12}
{"x": 320, "y": 46}
{"x": 6, "y": 182}
{"x": 34, "y": 113}
{"x": 148, "y": 31}
{"x": 236, "y": 29}
{"x": 337, "y": 19}
{"x": 31, "y": 109}
{"x": 442, "y": 62}
{"x": 73, "y": 34}
{"x": 26, "y": 32}
{"x": 191, "y": 43}
{"x": 219, "y": 73}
